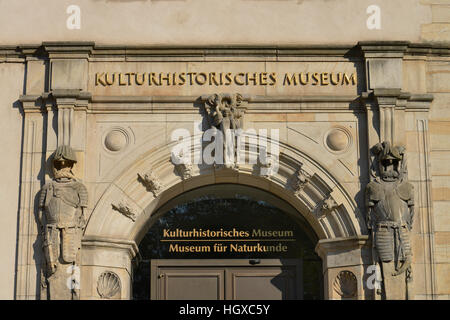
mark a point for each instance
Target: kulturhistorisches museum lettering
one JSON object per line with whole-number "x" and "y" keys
{"x": 224, "y": 78}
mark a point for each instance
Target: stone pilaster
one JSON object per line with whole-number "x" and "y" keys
{"x": 401, "y": 118}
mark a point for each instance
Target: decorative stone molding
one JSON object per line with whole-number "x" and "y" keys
{"x": 116, "y": 139}
{"x": 151, "y": 182}
{"x": 125, "y": 210}
{"x": 345, "y": 284}
{"x": 109, "y": 285}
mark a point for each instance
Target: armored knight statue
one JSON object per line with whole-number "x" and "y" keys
{"x": 390, "y": 205}
{"x": 226, "y": 115}
{"x": 61, "y": 217}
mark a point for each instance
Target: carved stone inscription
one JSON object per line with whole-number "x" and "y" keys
{"x": 199, "y": 78}
{"x": 323, "y": 78}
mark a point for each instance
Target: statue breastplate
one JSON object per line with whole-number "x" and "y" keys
{"x": 62, "y": 204}
{"x": 390, "y": 202}
{"x": 390, "y": 215}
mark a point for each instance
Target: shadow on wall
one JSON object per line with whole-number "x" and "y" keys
{"x": 302, "y": 281}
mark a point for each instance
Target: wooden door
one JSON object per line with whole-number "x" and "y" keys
{"x": 230, "y": 279}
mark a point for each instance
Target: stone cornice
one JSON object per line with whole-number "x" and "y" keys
{"x": 383, "y": 49}
{"x": 87, "y": 49}
{"x": 254, "y": 103}
{"x": 397, "y": 98}
{"x": 76, "y": 98}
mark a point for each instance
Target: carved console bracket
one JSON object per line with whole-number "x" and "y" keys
{"x": 390, "y": 104}
{"x": 65, "y": 102}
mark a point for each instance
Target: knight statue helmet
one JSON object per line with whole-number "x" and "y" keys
{"x": 64, "y": 157}
{"x": 390, "y": 161}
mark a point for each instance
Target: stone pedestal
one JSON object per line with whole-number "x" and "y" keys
{"x": 345, "y": 262}
{"x": 106, "y": 271}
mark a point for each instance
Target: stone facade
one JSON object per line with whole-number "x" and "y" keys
{"x": 117, "y": 106}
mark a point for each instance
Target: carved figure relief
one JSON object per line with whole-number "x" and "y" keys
{"x": 267, "y": 166}
{"x": 61, "y": 209}
{"x": 328, "y": 204}
{"x": 224, "y": 110}
{"x": 390, "y": 213}
{"x": 124, "y": 209}
{"x": 299, "y": 181}
{"x": 182, "y": 165}
{"x": 226, "y": 114}
{"x": 151, "y": 182}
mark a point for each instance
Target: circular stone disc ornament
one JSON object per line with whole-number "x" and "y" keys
{"x": 116, "y": 139}
{"x": 338, "y": 140}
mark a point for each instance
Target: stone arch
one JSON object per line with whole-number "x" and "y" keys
{"x": 321, "y": 199}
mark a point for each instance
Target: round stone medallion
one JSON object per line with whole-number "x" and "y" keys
{"x": 116, "y": 140}
{"x": 338, "y": 140}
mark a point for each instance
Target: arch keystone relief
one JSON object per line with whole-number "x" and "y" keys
{"x": 151, "y": 182}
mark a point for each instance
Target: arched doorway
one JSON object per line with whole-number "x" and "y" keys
{"x": 228, "y": 241}
{"x": 128, "y": 208}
